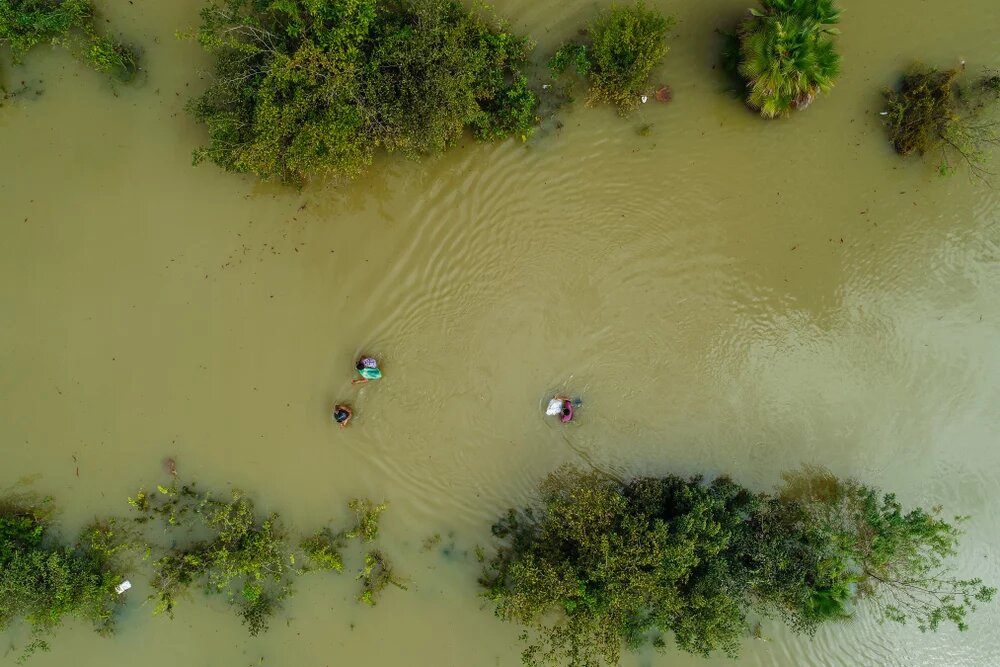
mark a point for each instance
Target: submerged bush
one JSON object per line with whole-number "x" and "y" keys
{"x": 786, "y": 54}
{"x": 44, "y": 580}
{"x": 224, "y": 546}
{"x": 377, "y": 575}
{"x": 604, "y": 564}
{"x": 625, "y": 44}
{"x": 309, "y": 88}
{"x": 25, "y": 24}
{"x": 237, "y": 553}
{"x": 932, "y": 110}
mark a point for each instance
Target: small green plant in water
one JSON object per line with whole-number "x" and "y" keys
{"x": 786, "y": 54}
{"x": 624, "y": 45}
{"x": 933, "y": 110}
{"x": 323, "y": 550}
{"x": 377, "y": 575}
{"x": 367, "y": 514}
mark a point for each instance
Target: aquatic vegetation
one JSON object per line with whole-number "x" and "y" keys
{"x": 323, "y": 550}
{"x": 367, "y": 514}
{"x": 624, "y": 45}
{"x": 25, "y": 24}
{"x": 44, "y": 580}
{"x": 932, "y": 110}
{"x": 894, "y": 559}
{"x": 225, "y": 547}
{"x": 234, "y": 551}
{"x": 315, "y": 88}
{"x": 605, "y": 564}
{"x": 786, "y": 54}
{"x": 377, "y": 575}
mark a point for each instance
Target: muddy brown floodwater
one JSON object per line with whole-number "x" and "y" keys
{"x": 727, "y": 295}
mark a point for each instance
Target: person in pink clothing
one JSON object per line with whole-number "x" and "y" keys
{"x": 562, "y": 406}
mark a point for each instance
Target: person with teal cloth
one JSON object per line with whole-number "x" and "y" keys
{"x": 368, "y": 369}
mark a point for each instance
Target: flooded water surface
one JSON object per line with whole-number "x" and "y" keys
{"x": 727, "y": 295}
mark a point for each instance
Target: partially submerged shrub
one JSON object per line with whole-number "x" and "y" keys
{"x": 323, "y": 550}
{"x": 934, "y": 110}
{"x": 625, "y": 44}
{"x": 377, "y": 575}
{"x": 604, "y": 564}
{"x": 786, "y": 54}
{"x": 235, "y": 551}
{"x": 224, "y": 546}
{"x": 25, "y": 24}
{"x": 44, "y": 580}
{"x": 367, "y": 514}
{"x": 308, "y": 88}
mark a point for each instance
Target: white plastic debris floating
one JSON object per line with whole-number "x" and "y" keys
{"x": 644, "y": 99}
{"x": 122, "y": 587}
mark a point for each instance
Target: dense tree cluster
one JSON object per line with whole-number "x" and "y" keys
{"x": 316, "y": 87}
{"x": 604, "y": 564}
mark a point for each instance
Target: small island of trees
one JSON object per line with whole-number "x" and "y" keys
{"x": 307, "y": 89}
{"x": 604, "y": 563}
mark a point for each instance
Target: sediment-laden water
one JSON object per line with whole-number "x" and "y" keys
{"x": 727, "y": 295}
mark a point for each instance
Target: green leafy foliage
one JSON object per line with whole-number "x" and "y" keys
{"x": 225, "y": 546}
{"x": 309, "y": 88}
{"x": 25, "y": 24}
{"x": 894, "y": 558}
{"x": 323, "y": 550}
{"x": 933, "y": 110}
{"x": 377, "y": 575}
{"x": 44, "y": 580}
{"x": 367, "y": 514}
{"x": 233, "y": 551}
{"x": 604, "y": 564}
{"x": 571, "y": 55}
{"x": 786, "y": 54}
{"x": 625, "y": 44}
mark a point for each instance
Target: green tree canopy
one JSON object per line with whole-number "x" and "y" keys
{"x": 786, "y": 54}
{"x": 309, "y": 88}
{"x": 604, "y": 564}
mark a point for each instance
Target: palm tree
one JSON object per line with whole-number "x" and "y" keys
{"x": 786, "y": 54}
